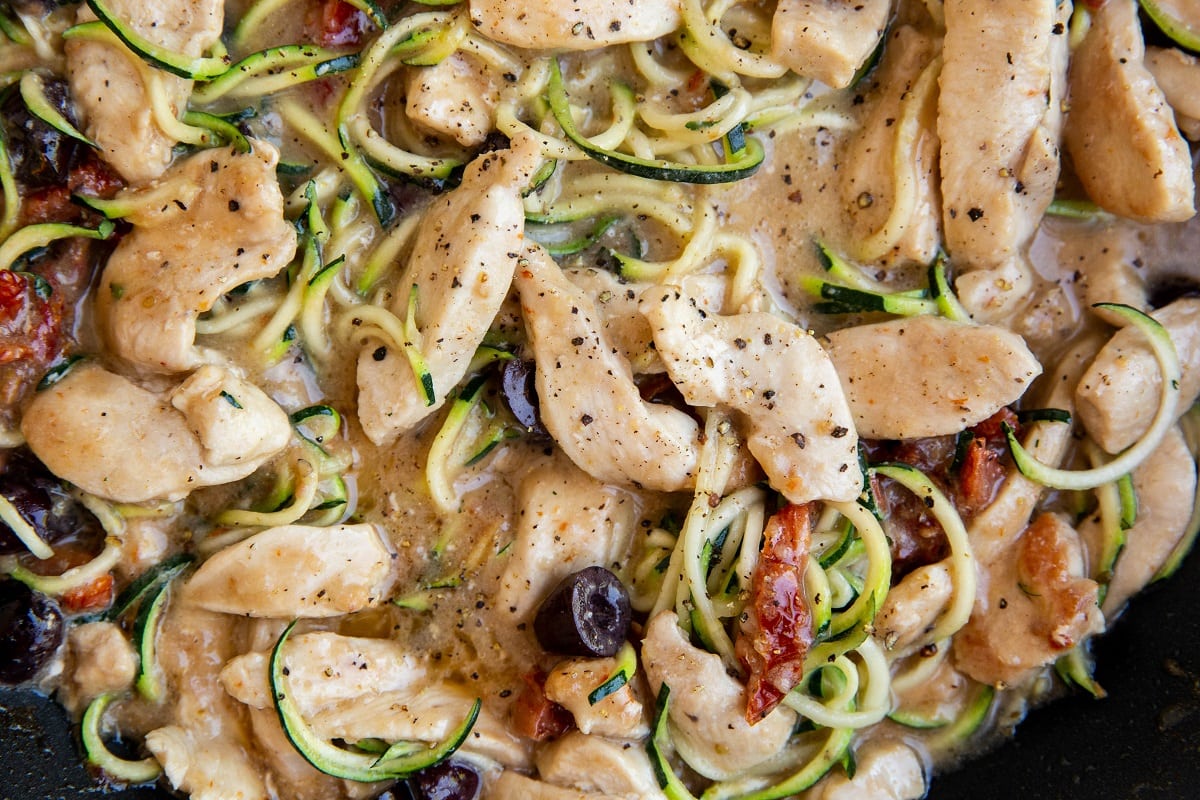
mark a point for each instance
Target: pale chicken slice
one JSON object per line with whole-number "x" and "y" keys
{"x": 707, "y": 706}
{"x": 913, "y": 606}
{"x": 205, "y": 745}
{"x": 515, "y": 786}
{"x": 1118, "y": 395}
{"x": 568, "y": 521}
{"x": 297, "y": 571}
{"x": 101, "y": 659}
{"x": 460, "y": 270}
{"x": 106, "y": 81}
{"x": 456, "y": 97}
{"x": 827, "y": 39}
{"x": 1034, "y": 605}
{"x": 886, "y": 770}
{"x": 204, "y": 767}
{"x": 889, "y": 170}
{"x": 99, "y": 431}
{"x": 325, "y": 668}
{"x": 595, "y": 764}
{"x": 222, "y": 227}
{"x": 356, "y": 688}
{"x": 1178, "y": 76}
{"x": 428, "y": 713}
{"x": 1165, "y": 487}
{"x": 620, "y": 715}
{"x": 777, "y": 375}
{"x": 928, "y": 376}
{"x": 1121, "y": 133}
{"x": 589, "y": 401}
{"x": 578, "y": 25}
{"x": 999, "y": 118}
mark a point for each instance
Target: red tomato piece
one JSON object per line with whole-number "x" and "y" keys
{"x": 536, "y": 716}
{"x": 778, "y": 632}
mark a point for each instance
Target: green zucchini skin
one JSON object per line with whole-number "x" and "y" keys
{"x": 399, "y": 761}
{"x": 739, "y": 164}
{"x": 200, "y": 69}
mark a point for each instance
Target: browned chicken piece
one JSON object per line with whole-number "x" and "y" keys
{"x": 1034, "y": 605}
{"x": 1121, "y": 133}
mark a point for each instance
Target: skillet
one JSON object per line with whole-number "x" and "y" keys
{"x": 1141, "y": 742}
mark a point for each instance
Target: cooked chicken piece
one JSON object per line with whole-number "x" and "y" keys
{"x": 359, "y": 688}
{"x": 205, "y": 747}
{"x": 427, "y": 713}
{"x": 623, "y": 325}
{"x": 456, "y": 97}
{"x": 515, "y": 786}
{"x": 225, "y": 228}
{"x": 999, "y": 117}
{"x": 1165, "y": 486}
{"x": 589, "y": 402}
{"x": 873, "y": 188}
{"x": 620, "y": 715}
{"x": 206, "y": 768}
{"x": 1178, "y": 76}
{"x": 567, "y": 521}
{"x": 99, "y": 431}
{"x": 776, "y": 374}
{"x": 1034, "y": 605}
{"x": 325, "y": 668}
{"x": 595, "y": 764}
{"x": 107, "y": 84}
{"x": 994, "y": 530}
{"x": 886, "y": 770}
{"x": 928, "y": 376}
{"x": 913, "y": 606}
{"x": 1121, "y": 134}
{"x": 288, "y": 773}
{"x": 1114, "y": 269}
{"x": 101, "y": 660}
{"x": 939, "y": 697}
{"x": 579, "y": 25}
{"x": 1118, "y": 395}
{"x": 296, "y": 571}
{"x": 707, "y": 707}
{"x": 826, "y": 39}
{"x": 461, "y": 267}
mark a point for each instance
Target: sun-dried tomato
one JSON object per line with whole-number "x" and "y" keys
{"x": 777, "y": 634}
{"x": 90, "y": 176}
{"x": 95, "y": 595}
{"x": 535, "y": 716}
{"x": 30, "y": 319}
{"x": 970, "y": 479}
{"x": 334, "y": 23}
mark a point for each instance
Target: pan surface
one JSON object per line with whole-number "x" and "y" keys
{"x": 1141, "y": 742}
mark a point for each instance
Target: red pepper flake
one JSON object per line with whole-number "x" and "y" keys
{"x": 778, "y": 632}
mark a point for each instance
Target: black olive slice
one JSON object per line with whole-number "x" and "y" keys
{"x": 587, "y": 614}
{"x": 31, "y": 626}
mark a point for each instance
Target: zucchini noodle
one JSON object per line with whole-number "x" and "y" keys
{"x": 708, "y": 46}
{"x": 304, "y": 491}
{"x": 73, "y": 578}
{"x": 918, "y": 668}
{"x": 961, "y": 559}
{"x": 1168, "y": 362}
{"x": 376, "y": 65}
{"x": 870, "y": 707}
